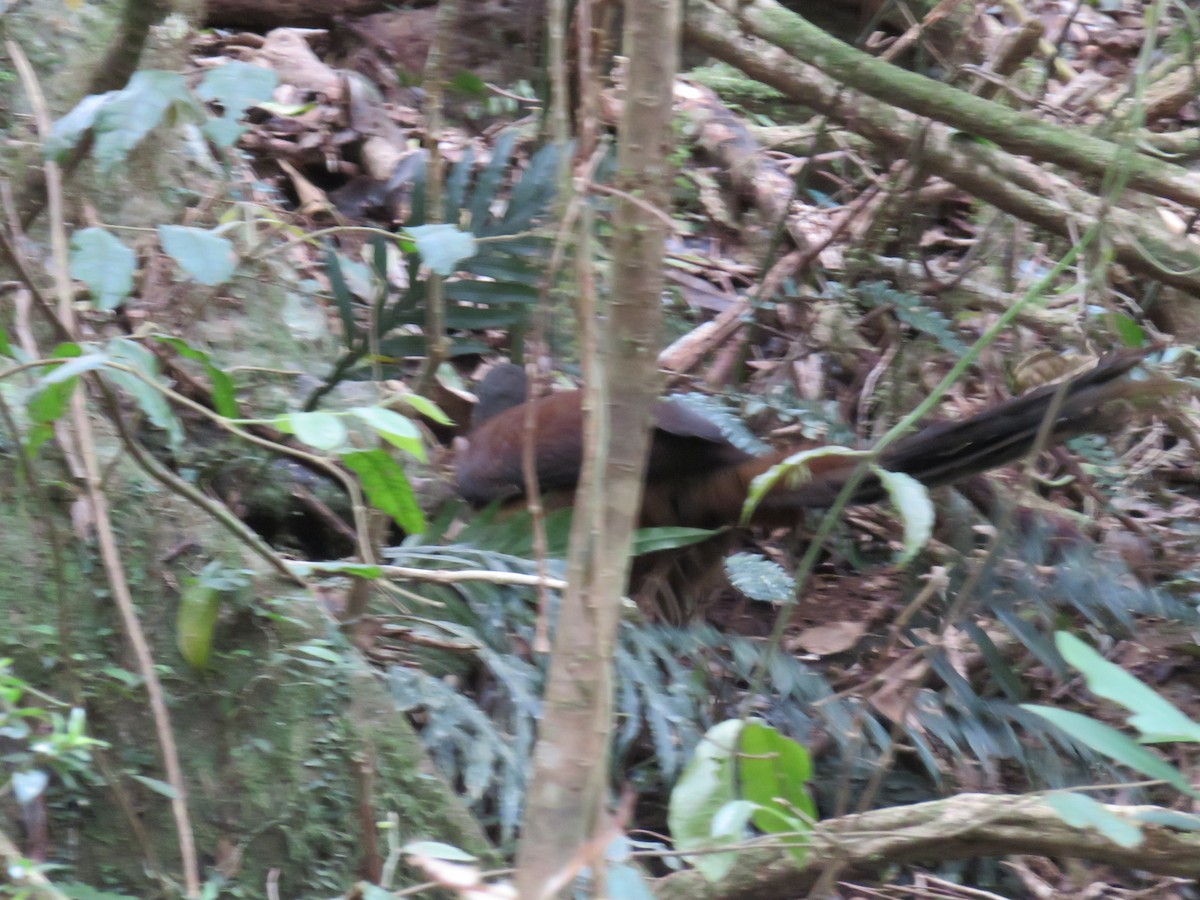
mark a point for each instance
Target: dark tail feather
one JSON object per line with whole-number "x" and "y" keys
{"x": 1085, "y": 404}
{"x": 948, "y": 451}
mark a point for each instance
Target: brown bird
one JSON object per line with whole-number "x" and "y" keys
{"x": 695, "y": 477}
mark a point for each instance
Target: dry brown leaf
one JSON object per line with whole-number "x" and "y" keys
{"x": 825, "y": 640}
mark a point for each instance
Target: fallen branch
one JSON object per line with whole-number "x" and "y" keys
{"x": 961, "y": 827}
{"x": 1013, "y": 185}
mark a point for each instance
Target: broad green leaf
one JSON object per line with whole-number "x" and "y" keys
{"x": 760, "y": 578}
{"x": 89, "y": 362}
{"x": 774, "y": 772}
{"x": 236, "y": 86}
{"x": 791, "y": 472}
{"x": 196, "y": 621}
{"x": 393, "y": 428}
{"x": 104, "y": 264}
{"x": 1153, "y": 715}
{"x": 128, "y": 116}
{"x": 706, "y": 786}
{"x": 49, "y": 401}
{"x": 1081, "y": 811}
{"x": 151, "y": 400}
{"x": 426, "y": 407}
{"x": 387, "y": 487}
{"x": 70, "y": 129}
{"x": 208, "y": 258}
{"x": 1113, "y": 744}
{"x": 322, "y": 430}
{"x": 442, "y": 247}
{"x": 911, "y": 498}
{"x": 223, "y": 131}
{"x": 733, "y": 818}
{"x": 5, "y": 347}
{"x": 223, "y": 392}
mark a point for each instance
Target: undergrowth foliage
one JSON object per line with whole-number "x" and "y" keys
{"x": 478, "y": 706}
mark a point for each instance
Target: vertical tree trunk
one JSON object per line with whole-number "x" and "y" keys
{"x": 570, "y": 779}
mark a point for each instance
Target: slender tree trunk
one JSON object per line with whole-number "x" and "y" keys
{"x": 571, "y": 764}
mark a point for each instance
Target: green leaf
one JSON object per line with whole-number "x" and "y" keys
{"x": 910, "y": 310}
{"x": 705, "y": 787}
{"x": 89, "y": 362}
{"x": 733, "y": 818}
{"x": 49, "y": 401}
{"x": 456, "y": 185}
{"x": 159, "y": 787}
{"x": 208, "y": 258}
{"x": 791, "y": 472}
{"x": 1113, "y": 744}
{"x": 488, "y": 183}
{"x": 223, "y": 392}
{"x": 322, "y": 430}
{"x": 760, "y": 578}
{"x": 126, "y": 117}
{"x": 317, "y": 651}
{"x": 342, "y": 296}
{"x": 442, "y": 247}
{"x": 387, "y": 487}
{"x": 5, "y": 347}
{"x": 70, "y": 129}
{"x": 469, "y": 83}
{"x": 393, "y": 428}
{"x": 426, "y": 407}
{"x": 236, "y": 86}
{"x": 223, "y": 131}
{"x": 1081, "y": 811}
{"x": 651, "y": 540}
{"x": 911, "y": 499}
{"x": 492, "y": 292}
{"x": 1128, "y": 330}
{"x": 104, "y": 264}
{"x": 774, "y": 772}
{"x": 196, "y": 621}
{"x": 533, "y": 193}
{"x": 151, "y": 400}
{"x": 1153, "y": 715}
{"x": 360, "y": 570}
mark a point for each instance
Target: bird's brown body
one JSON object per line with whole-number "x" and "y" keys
{"x": 696, "y": 478}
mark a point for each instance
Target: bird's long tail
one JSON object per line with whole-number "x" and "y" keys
{"x": 1095, "y": 401}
